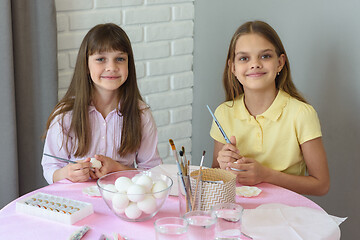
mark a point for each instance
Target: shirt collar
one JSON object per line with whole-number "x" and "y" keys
{"x": 272, "y": 113}
{"x": 93, "y": 108}
{"x": 240, "y": 110}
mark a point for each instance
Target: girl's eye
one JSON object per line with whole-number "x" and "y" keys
{"x": 243, "y": 59}
{"x": 101, "y": 59}
{"x": 120, "y": 59}
{"x": 266, "y": 56}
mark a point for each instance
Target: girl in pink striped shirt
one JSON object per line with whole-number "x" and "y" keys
{"x": 102, "y": 114}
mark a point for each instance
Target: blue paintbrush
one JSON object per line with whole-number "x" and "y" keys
{"x": 59, "y": 158}
{"x": 219, "y": 126}
{"x": 222, "y": 132}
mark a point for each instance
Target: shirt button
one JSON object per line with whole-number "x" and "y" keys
{"x": 103, "y": 137}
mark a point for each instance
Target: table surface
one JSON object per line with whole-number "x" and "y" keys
{"x": 15, "y": 225}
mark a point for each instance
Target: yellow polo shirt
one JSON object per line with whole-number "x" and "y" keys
{"x": 274, "y": 137}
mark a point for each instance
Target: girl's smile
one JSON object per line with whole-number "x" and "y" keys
{"x": 110, "y": 77}
{"x": 255, "y": 74}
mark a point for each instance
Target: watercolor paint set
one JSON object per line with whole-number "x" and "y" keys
{"x": 54, "y": 208}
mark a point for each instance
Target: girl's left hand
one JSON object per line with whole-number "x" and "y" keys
{"x": 253, "y": 172}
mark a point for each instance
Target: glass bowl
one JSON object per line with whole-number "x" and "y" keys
{"x": 134, "y": 195}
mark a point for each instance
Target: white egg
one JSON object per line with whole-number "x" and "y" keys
{"x": 158, "y": 188}
{"x": 109, "y": 191}
{"x": 135, "y": 178}
{"x": 95, "y": 163}
{"x": 136, "y": 193}
{"x": 119, "y": 210}
{"x": 146, "y": 182}
{"x": 148, "y": 205}
{"x": 122, "y": 184}
{"x": 132, "y": 211}
{"x": 120, "y": 201}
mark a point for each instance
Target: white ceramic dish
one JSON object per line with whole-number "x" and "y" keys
{"x": 247, "y": 191}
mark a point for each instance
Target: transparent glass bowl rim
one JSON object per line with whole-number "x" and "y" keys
{"x": 133, "y": 171}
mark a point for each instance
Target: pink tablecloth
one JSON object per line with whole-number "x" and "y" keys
{"x": 15, "y": 225}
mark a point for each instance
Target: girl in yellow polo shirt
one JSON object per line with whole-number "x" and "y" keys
{"x": 275, "y": 133}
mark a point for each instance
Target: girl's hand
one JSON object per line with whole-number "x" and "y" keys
{"x": 253, "y": 172}
{"x": 79, "y": 172}
{"x": 228, "y": 153}
{"x": 108, "y": 165}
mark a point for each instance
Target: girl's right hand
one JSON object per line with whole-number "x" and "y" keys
{"x": 79, "y": 172}
{"x": 228, "y": 153}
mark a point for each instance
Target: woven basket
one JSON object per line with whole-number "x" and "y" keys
{"x": 211, "y": 192}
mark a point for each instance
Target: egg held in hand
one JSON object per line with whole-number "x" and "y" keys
{"x": 95, "y": 163}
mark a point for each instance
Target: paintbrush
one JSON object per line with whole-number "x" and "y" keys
{"x": 59, "y": 158}
{"x": 222, "y": 132}
{"x": 198, "y": 179}
{"x": 175, "y": 155}
{"x": 186, "y": 163}
{"x": 187, "y": 166}
{"x": 188, "y": 194}
{"x": 182, "y": 163}
{"x": 219, "y": 126}
{"x": 174, "y": 150}
{"x": 64, "y": 159}
{"x": 186, "y": 173}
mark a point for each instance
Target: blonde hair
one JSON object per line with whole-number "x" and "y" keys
{"x": 101, "y": 38}
{"x": 233, "y": 88}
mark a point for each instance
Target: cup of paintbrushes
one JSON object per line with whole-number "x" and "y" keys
{"x": 186, "y": 193}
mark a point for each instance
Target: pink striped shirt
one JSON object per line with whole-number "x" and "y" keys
{"x": 106, "y": 139}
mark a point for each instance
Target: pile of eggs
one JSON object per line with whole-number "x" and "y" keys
{"x": 136, "y": 195}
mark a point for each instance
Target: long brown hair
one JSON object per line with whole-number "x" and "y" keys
{"x": 233, "y": 88}
{"x": 101, "y": 38}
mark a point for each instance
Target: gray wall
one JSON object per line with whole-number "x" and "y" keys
{"x": 322, "y": 39}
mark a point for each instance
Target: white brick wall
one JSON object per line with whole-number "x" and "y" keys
{"x": 161, "y": 32}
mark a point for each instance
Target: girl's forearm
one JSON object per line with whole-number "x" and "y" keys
{"x": 307, "y": 185}
{"x": 59, "y": 174}
{"x": 122, "y": 167}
